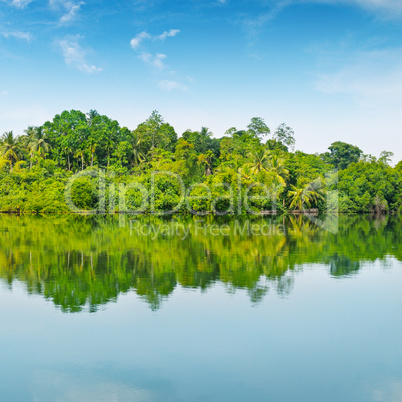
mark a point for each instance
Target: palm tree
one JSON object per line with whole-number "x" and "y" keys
{"x": 80, "y": 154}
{"x": 10, "y": 148}
{"x": 27, "y": 139}
{"x": 306, "y": 195}
{"x": 260, "y": 160}
{"x": 109, "y": 147}
{"x": 276, "y": 165}
{"x": 298, "y": 197}
{"x": 67, "y": 150}
{"x": 138, "y": 156}
{"x": 206, "y": 160}
{"x": 316, "y": 190}
{"x": 92, "y": 148}
{"x": 204, "y": 132}
{"x": 91, "y": 115}
{"x": 39, "y": 141}
{"x": 203, "y": 138}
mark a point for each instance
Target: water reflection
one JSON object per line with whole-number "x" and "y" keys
{"x": 78, "y": 384}
{"x": 84, "y": 262}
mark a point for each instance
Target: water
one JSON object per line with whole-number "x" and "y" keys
{"x": 91, "y": 309}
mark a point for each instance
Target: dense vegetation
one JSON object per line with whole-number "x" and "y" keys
{"x": 81, "y": 261}
{"x": 217, "y": 173}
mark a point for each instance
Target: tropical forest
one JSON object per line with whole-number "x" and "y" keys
{"x": 255, "y": 162}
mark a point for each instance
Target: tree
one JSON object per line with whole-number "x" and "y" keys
{"x": 154, "y": 122}
{"x": 10, "y": 148}
{"x": 39, "y": 141}
{"x": 186, "y": 159}
{"x": 27, "y": 138}
{"x": 92, "y": 148}
{"x": 206, "y": 161}
{"x": 122, "y": 149}
{"x": 258, "y": 128}
{"x": 341, "y": 154}
{"x": 276, "y": 166}
{"x": 80, "y": 154}
{"x": 259, "y": 160}
{"x": 285, "y": 135}
{"x": 304, "y": 195}
{"x": 148, "y": 131}
{"x": 166, "y": 137}
{"x": 276, "y": 146}
{"x": 386, "y": 157}
{"x": 155, "y": 133}
{"x": 91, "y": 116}
{"x": 68, "y": 129}
{"x": 202, "y": 141}
{"x": 138, "y": 156}
{"x": 67, "y": 151}
{"x": 240, "y": 143}
{"x": 109, "y": 146}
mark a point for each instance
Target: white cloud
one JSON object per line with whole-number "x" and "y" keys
{"x": 375, "y": 5}
{"x": 3, "y": 93}
{"x": 136, "y": 41}
{"x": 170, "y": 33}
{"x": 390, "y": 8}
{"x": 253, "y": 24}
{"x": 18, "y": 35}
{"x": 168, "y": 85}
{"x": 71, "y": 11}
{"x": 75, "y": 55}
{"x": 68, "y": 8}
{"x": 20, "y": 3}
{"x": 156, "y": 61}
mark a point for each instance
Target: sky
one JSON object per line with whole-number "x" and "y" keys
{"x": 330, "y": 69}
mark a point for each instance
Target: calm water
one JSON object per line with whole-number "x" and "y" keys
{"x": 97, "y": 309}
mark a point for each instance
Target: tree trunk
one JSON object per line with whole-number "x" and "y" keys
{"x": 69, "y": 164}
{"x": 82, "y": 162}
{"x": 92, "y": 160}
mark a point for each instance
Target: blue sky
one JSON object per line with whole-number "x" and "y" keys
{"x": 331, "y": 69}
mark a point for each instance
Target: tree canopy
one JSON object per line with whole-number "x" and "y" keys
{"x": 218, "y": 173}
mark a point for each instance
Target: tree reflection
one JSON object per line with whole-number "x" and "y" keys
{"x": 83, "y": 262}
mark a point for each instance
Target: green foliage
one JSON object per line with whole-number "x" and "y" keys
{"x": 10, "y": 148}
{"x": 155, "y": 133}
{"x": 84, "y": 193}
{"x": 35, "y": 167}
{"x": 285, "y": 135}
{"x": 258, "y": 128}
{"x": 341, "y": 155}
{"x": 202, "y": 141}
{"x": 370, "y": 186}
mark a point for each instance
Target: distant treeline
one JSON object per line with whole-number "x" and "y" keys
{"x": 35, "y": 167}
